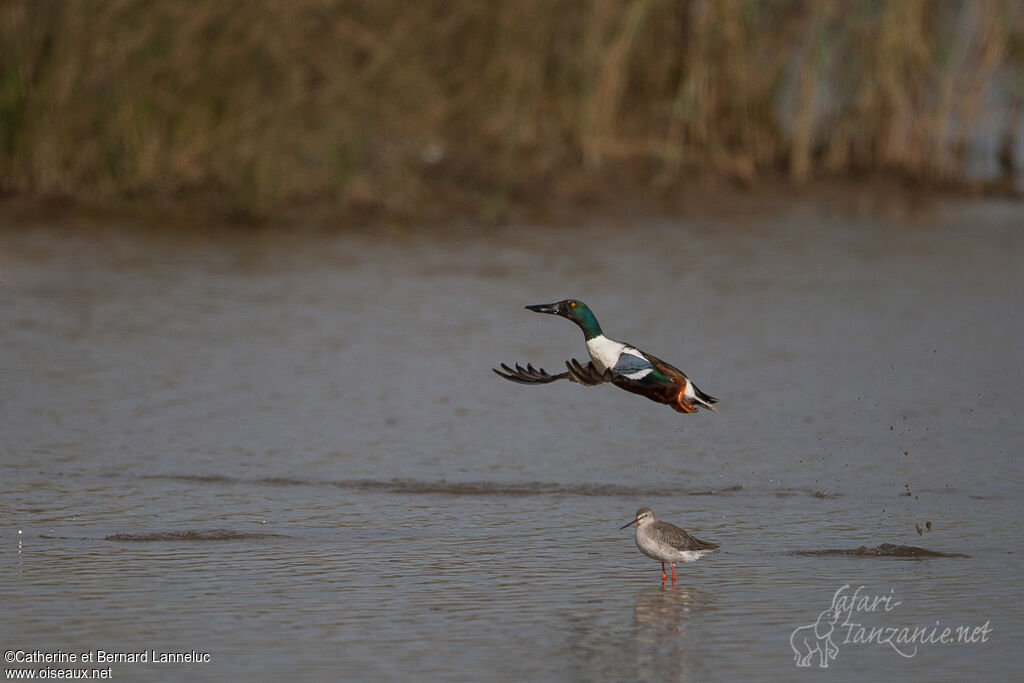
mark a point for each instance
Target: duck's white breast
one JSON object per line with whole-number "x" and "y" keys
{"x": 604, "y": 352}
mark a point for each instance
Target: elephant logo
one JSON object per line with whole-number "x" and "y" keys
{"x": 816, "y": 638}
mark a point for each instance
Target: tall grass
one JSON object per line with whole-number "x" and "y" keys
{"x": 258, "y": 107}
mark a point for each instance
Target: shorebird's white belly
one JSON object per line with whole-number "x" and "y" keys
{"x": 664, "y": 552}
{"x": 604, "y": 352}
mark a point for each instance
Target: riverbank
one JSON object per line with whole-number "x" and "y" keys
{"x": 385, "y": 111}
{"x": 601, "y": 201}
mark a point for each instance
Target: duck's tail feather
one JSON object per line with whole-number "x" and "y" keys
{"x": 706, "y": 400}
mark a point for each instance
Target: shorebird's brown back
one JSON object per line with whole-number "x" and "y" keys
{"x": 679, "y": 539}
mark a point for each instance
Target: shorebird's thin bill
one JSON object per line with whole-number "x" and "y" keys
{"x": 628, "y": 525}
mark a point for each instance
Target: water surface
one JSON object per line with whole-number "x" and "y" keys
{"x": 288, "y": 450}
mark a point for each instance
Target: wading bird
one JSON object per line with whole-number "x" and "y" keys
{"x": 666, "y": 542}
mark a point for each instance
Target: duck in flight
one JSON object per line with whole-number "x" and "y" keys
{"x": 625, "y": 366}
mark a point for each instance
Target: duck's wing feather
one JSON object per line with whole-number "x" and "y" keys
{"x": 664, "y": 368}
{"x": 634, "y": 366}
{"x": 587, "y": 375}
{"x": 529, "y": 374}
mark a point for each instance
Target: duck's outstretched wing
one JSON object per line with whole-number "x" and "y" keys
{"x": 586, "y": 375}
{"x": 529, "y": 374}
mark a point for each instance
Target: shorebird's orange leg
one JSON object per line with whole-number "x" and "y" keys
{"x": 673, "y": 565}
{"x": 662, "y": 573}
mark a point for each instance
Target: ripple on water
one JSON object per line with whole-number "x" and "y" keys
{"x": 882, "y": 550}
{"x": 191, "y": 535}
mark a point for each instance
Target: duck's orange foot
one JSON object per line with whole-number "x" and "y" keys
{"x": 683, "y": 405}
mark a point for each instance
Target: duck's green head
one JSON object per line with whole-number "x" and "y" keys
{"x": 574, "y": 310}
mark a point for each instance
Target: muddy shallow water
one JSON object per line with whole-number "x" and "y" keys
{"x": 289, "y": 452}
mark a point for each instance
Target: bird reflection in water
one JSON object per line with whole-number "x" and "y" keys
{"x": 661, "y": 616}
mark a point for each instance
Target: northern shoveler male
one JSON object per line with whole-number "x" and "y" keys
{"x": 625, "y": 366}
{"x": 666, "y": 542}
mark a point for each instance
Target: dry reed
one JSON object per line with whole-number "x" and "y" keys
{"x": 406, "y": 107}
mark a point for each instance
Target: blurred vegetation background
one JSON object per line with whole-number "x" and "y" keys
{"x": 359, "y": 108}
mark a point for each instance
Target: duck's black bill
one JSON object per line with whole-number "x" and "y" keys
{"x": 628, "y": 525}
{"x": 544, "y": 308}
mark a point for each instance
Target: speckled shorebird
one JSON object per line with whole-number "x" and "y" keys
{"x": 666, "y": 542}
{"x": 625, "y": 366}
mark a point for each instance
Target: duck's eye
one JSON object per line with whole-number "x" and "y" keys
{"x": 572, "y": 304}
